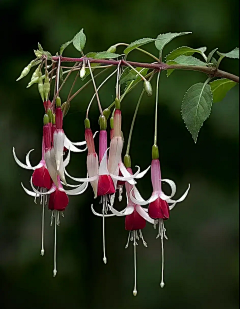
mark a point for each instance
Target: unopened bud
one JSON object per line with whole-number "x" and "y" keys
{"x": 82, "y": 71}
{"x": 148, "y": 87}
{"x": 87, "y": 123}
{"x": 127, "y": 160}
{"x": 117, "y": 103}
{"x": 58, "y": 102}
{"x": 25, "y": 72}
{"x": 112, "y": 49}
{"x": 106, "y": 113}
{"x": 46, "y": 87}
{"x": 45, "y": 119}
{"x": 40, "y": 88}
{"x": 155, "y": 152}
{"x": 53, "y": 119}
{"x": 102, "y": 122}
{"x": 112, "y": 123}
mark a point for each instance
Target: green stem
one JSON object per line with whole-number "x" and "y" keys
{"x": 156, "y": 108}
{"x": 141, "y": 50}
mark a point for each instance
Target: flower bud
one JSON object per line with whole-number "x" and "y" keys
{"x": 46, "y": 87}
{"x": 148, "y": 87}
{"x": 49, "y": 112}
{"x": 82, "y": 71}
{"x": 112, "y": 49}
{"x": 25, "y": 71}
{"x": 40, "y": 88}
{"x": 112, "y": 123}
{"x": 155, "y": 152}
{"x": 45, "y": 119}
{"x": 53, "y": 119}
{"x": 102, "y": 122}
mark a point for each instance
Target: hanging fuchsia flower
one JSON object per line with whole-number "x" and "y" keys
{"x": 135, "y": 221}
{"x": 160, "y": 204}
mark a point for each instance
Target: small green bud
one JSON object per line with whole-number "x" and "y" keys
{"x": 127, "y": 160}
{"x": 49, "y": 112}
{"x": 87, "y": 123}
{"x": 112, "y": 122}
{"x": 40, "y": 88}
{"x": 33, "y": 81}
{"x": 46, "y": 87}
{"x": 106, "y": 113}
{"x": 45, "y": 119}
{"x": 65, "y": 108}
{"x": 102, "y": 122}
{"x": 112, "y": 49}
{"x": 117, "y": 104}
{"x": 53, "y": 119}
{"x": 155, "y": 152}
{"x": 148, "y": 87}
{"x": 25, "y": 72}
{"x": 58, "y": 102}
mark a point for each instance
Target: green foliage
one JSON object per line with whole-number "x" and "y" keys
{"x": 79, "y": 41}
{"x": 137, "y": 44}
{"x": 130, "y": 76}
{"x": 185, "y": 50}
{"x": 196, "y": 107}
{"x": 232, "y": 54}
{"x": 220, "y": 87}
{"x": 189, "y": 60}
{"x": 210, "y": 55}
{"x": 105, "y": 55}
{"x": 63, "y": 46}
{"x": 163, "y": 39}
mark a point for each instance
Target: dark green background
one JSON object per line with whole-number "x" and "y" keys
{"x": 202, "y": 250}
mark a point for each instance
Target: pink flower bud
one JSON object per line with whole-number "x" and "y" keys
{"x": 102, "y": 144}
{"x": 156, "y": 175}
{"x": 47, "y": 136}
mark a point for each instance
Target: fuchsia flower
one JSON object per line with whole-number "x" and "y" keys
{"x": 158, "y": 208}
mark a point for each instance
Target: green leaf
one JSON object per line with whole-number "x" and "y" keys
{"x": 40, "y": 47}
{"x": 211, "y": 54}
{"x": 185, "y": 50}
{"x": 133, "y": 78}
{"x": 220, "y": 87}
{"x": 105, "y": 55}
{"x": 79, "y": 40}
{"x": 164, "y": 39}
{"x": 189, "y": 60}
{"x": 63, "y": 46}
{"x": 232, "y": 54}
{"x": 196, "y": 107}
{"x": 169, "y": 71}
{"x": 127, "y": 75}
{"x": 137, "y": 44}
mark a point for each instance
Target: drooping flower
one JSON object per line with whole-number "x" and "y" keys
{"x": 160, "y": 204}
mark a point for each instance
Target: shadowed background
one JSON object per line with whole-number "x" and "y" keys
{"x": 202, "y": 251}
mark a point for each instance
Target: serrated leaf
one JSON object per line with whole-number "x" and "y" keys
{"x": 232, "y": 54}
{"x": 40, "y": 47}
{"x": 185, "y": 50}
{"x": 127, "y": 75}
{"x": 137, "y": 44}
{"x": 105, "y": 55}
{"x": 211, "y": 54}
{"x": 79, "y": 40}
{"x": 220, "y": 87}
{"x": 189, "y": 60}
{"x": 164, "y": 39}
{"x": 137, "y": 77}
{"x": 63, "y": 46}
{"x": 196, "y": 107}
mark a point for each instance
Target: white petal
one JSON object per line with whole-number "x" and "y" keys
{"x": 140, "y": 175}
{"x": 173, "y": 187}
{"x": 100, "y": 215}
{"x": 51, "y": 165}
{"x": 144, "y": 215}
{"x": 39, "y": 165}
{"x": 67, "y": 160}
{"x": 103, "y": 165}
{"x": 19, "y": 162}
{"x": 42, "y": 193}
{"x": 179, "y": 200}
{"x": 88, "y": 179}
{"x": 34, "y": 194}
{"x": 142, "y": 201}
{"x": 79, "y": 190}
{"x": 125, "y": 173}
{"x": 58, "y": 142}
{"x": 127, "y": 211}
{"x": 70, "y": 145}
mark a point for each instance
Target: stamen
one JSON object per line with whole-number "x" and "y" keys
{"x": 141, "y": 236}
{"x": 135, "y": 263}
{"x": 51, "y": 222}
{"x": 42, "y": 250}
{"x": 129, "y": 234}
{"x": 103, "y": 230}
{"x": 120, "y": 191}
{"x": 55, "y": 246}
{"x": 162, "y": 231}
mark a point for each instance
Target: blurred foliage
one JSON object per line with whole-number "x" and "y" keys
{"x": 202, "y": 250}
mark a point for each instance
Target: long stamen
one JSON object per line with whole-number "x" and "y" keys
{"x": 42, "y": 249}
{"x": 161, "y": 230}
{"x": 141, "y": 236}
{"x": 103, "y": 230}
{"x": 135, "y": 263}
{"x": 129, "y": 234}
{"x": 55, "y": 246}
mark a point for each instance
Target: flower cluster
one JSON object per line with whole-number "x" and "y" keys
{"x": 107, "y": 174}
